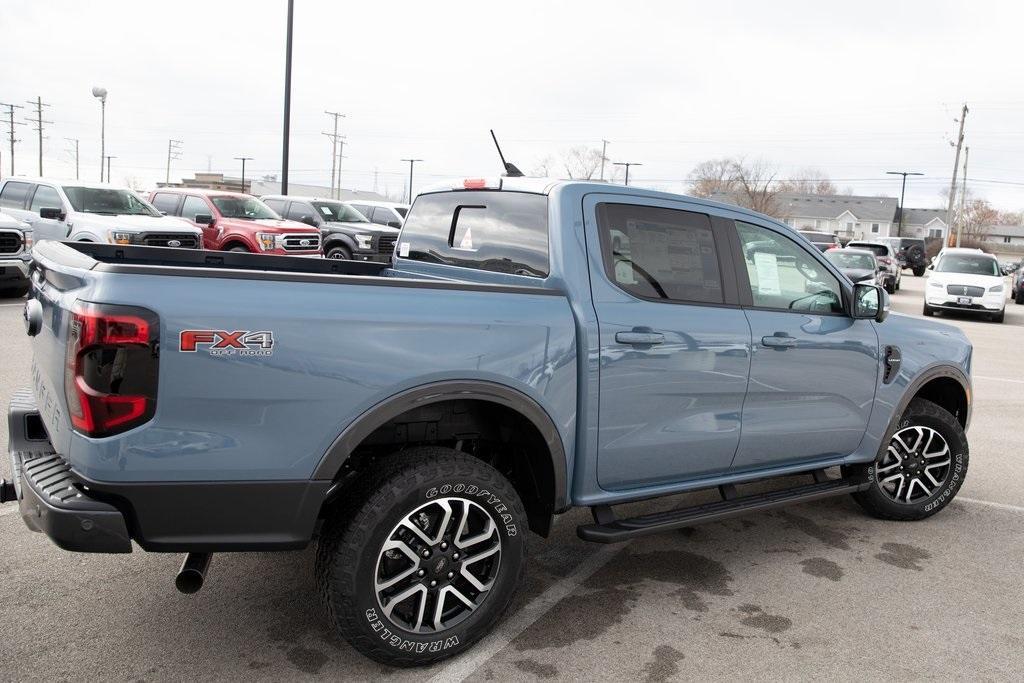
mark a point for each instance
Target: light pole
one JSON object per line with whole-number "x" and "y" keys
{"x": 101, "y": 93}
{"x": 243, "y": 160}
{"x": 903, "y": 192}
{"x": 627, "y": 164}
{"x": 108, "y": 167}
{"x": 287, "y": 100}
{"x": 411, "y": 163}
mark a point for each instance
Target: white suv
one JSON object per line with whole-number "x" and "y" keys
{"x": 966, "y": 280}
{"x": 93, "y": 212}
{"x": 390, "y": 214}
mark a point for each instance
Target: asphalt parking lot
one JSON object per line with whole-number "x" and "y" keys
{"x": 818, "y": 590}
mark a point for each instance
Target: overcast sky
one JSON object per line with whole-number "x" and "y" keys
{"x": 854, "y": 90}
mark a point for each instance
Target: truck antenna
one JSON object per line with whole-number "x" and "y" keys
{"x": 510, "y": 169}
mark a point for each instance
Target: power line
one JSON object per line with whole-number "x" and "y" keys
{"x": 334, "y": 148}
{"x": 11, "y": 123}
{"x": 75, "y": 151}
{"x": 173, "y": 152}
{"x": 38, "y": 121}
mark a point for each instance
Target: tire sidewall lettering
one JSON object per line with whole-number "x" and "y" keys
{"x": 482, "y": 496}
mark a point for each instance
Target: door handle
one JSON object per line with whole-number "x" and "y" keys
{"x": 779, "y": 340}
{"x": 640, "y": 337}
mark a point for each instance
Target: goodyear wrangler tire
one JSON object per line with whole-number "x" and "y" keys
{"x": 423, "y": 558}
{"x": 920, "y": 468}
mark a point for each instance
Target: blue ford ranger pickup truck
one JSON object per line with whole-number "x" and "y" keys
{"x": 534, "y": 345}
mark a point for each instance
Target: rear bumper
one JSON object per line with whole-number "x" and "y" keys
{"x": 83, "y": 515}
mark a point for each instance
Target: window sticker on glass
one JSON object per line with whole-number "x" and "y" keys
{"x": 467, "y": 240}
{"x": 767, "y": 268}
{"x": 325, "y": 210}
{"x": 403, "y": 249}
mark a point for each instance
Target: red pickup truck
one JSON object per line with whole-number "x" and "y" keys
{"x": 232, "y": 221}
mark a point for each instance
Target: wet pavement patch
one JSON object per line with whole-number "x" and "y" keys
{"x": 306, "y": 659}
{"x": 534, "y": 667}
{"x": 758, "y": 618}
{"x": 819, "y": 566}
{"x": 665, "y": 664}
{"x": 903, "y": 556}
{"x": 695, "y": 575}
{"x": 582, "y": 616}
{"x": 827, "y": 535}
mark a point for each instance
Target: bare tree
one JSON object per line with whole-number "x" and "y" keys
{"x": 750, "y": 184}
{"x": 977, "y": 219}
{"x": 809, "y": 181}
{"x": 575, "y": 163}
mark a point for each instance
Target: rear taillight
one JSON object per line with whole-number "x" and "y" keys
{"x": 111, "y": 367}
{"x": 884, "y": 260}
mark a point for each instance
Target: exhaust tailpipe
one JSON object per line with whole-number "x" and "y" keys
{"x": 193, "y": 572}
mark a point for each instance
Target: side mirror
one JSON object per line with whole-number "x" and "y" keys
{"x": 52, "y": 214}
{"x": 203, "y": 218}
{"x": 308, "y": 220}
{"x": 394, "y": 224}
{"x": 870, "y": 302}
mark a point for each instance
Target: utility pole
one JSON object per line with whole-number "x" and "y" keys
{"x": 108, "y": 166}
{"x": 334, "y": 147}
{"x": 243, "y": 160}
{"x": 903, "y": 192}
{"x": 287, "y": 100}
{"x": 604, "y": 157}
{"x": 627, "y": 164}
{"x": 956, "y": 165}
{"x": 374, "y": 178}
{"x": 963, "y": 199}
{"x": 74, "y": 140}
{"x": 101, "y": 94}
{"x": 38, "y": 121}
{"x": 411, "y": 163}
{"x": 341, "y": 155}
{"x": 173, "y": 152}
{"x": 11, "y": 123}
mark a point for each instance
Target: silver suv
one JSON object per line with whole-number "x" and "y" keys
{"x": 886, "y": 257}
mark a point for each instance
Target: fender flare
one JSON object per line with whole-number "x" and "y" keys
{"x": 437, "y": 392}
{"x": 245, "y": 240}
{"x": 331, "y": 239}
{"x": 922, "y": 378}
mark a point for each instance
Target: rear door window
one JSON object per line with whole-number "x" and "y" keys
{"x": 503, "y": 232}
{"x": 275, "y": 204}
{"x": 167, "y": 202}
{"x": 298, "y": 210}
{"x": 382, "y": 215}
{"x": 658, "y": 253}
{"x": 14, "y": 194}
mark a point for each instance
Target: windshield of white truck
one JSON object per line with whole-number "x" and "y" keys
{"x": 247, "y": 208}
{"x": 503, "y": 232}
{"x": 336, "y": 212}
{"x": 108, "y": 201}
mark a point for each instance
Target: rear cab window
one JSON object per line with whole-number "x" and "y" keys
{"x": 496, "y": 231}
{"x": 14, "y": 194}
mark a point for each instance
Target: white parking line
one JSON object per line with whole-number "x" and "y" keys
{"x": 991, "y": 504}
{"x": 998, "y": 379}
{"x": 21, "y": 305}
{"x": 463, "y": 666}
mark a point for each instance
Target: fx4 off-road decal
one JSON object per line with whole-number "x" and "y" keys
{"x": 225, "y": 343}
{"x": 474, "y": 491}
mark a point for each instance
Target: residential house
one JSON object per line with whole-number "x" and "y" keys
{"x": 923, "y": 223}
{"x": 849, "y": 216}
{"x": 1003, "y": 234}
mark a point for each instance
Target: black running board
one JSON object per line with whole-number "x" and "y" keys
{"x": 607, "y": 529}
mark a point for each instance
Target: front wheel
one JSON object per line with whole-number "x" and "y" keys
{"x": 423, "y": 558}
{"x": 998, "y": 317}
{"x": 918, "y": 271}
{"x": 339, "y": 253}
{"x": 920, "y": 469}
{"x": 1019, "y": 298}
{"x": 928, "y": 311}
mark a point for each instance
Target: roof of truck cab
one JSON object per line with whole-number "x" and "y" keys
{"x": 300, "y": 198}
{"x": 548, "y": 185}
{"x": 69, "y": 183}
{"x": 206, "y": 192}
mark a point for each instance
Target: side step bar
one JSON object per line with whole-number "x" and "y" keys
{"x": 607, "y": 529}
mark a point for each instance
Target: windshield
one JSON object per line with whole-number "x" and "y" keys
{"x": 876, "y": 249}
{"x": 336, "y": 212}
{"x": 819, "y": 237}
{"x": 968, "y": 263}
{"x": 248, "y": 208}
{"x": 108, "y": 201}
{"x": 846, "y": 259}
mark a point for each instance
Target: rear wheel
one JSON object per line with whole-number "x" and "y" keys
{"x": 920, "y": 468}
{"x": 339, "y": 252}
{"x": 1019, "y": 298}
{"x": 423, "y": 558}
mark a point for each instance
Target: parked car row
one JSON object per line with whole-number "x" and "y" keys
{"x": 188, "y": 218}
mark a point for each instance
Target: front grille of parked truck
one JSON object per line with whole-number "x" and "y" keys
{"x": 167, "y": 239}
{"x": 386, "y": 244}
{"x": 300, "y": 242}
{"x": 10, "y": 242}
